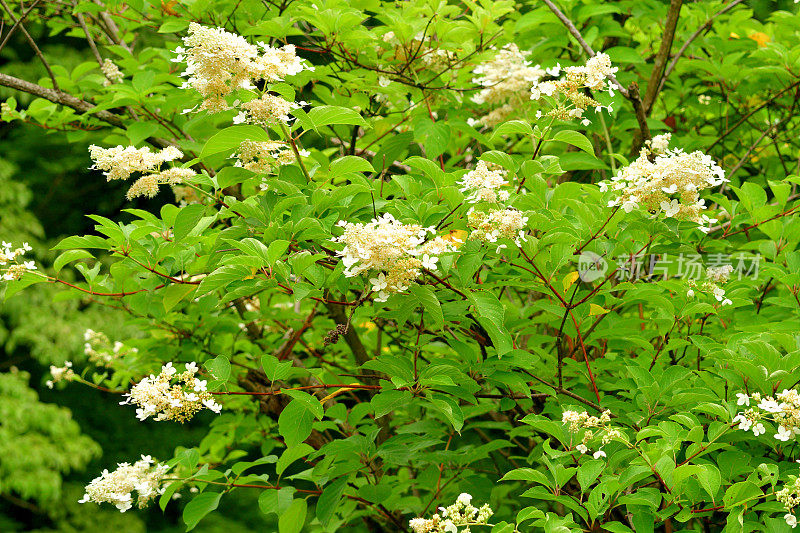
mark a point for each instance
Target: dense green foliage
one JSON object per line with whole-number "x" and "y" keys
{"x": 371, "y": 369}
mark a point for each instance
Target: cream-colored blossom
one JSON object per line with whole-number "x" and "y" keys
{"x": 393, "y": 251}
{"x": 171, "y": 395}
{"x": 111, "y": 72}
{"x": 266, "y": 111}
{"x": 219, "y": 62}
{"x": 484, "y": 183}
{"x": 12, "y": 264}
{"x": 264, "y": 157}
{"x": 666, "y": 181}
{"x": 120, "y": 162}
{"x": 61, "y": 373}
{"x": 148, "y": 185}
{"x": 143, "y": 477}
{"x": 489, "y": 226}
{"x": 506, "y": 81}
{"x": 461, "y": 514}
{"x": 101, "y": 351}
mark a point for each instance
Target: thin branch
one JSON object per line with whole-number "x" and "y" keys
{"x": 704, "y": 27}
{"x": 632, "y": 95}
{"x": 751, "y": 113}
{"x": 33, "y": 44}
{"x": 66, "y": 99}
{"x": 89, "y": 38}
{"x": 14, "y": 27}
{"x": 673, "y": 13}
{"x": 578, "y": 37}
{"x": 111, "y": 26}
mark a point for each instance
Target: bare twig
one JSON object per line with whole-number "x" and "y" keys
{"x": 16, "y": 24}
{"x": 633, "y": 96}
{"x": 641, "y": 117}
{"x": 578, "y": 37}
{"x": 89, "y": 38}
{"x": 673, "y": 13}
{"x": 111, "y": 26}
{"x": 66, "y": 99}
{"x": 36, "y": 50}
{"x": 704, "y": 27}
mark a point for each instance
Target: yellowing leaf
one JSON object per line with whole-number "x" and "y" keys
{"x": 456, "y": 236}
{"x": 761, "y": 38}
{"x": 595, "y": 310}
{"x": 569, "y": 279}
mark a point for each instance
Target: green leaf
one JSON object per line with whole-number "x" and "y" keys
{"x": 276, "y": 501}
{"x": 710, "y": 478}
{"x": 186, "y": 220}
{"x": 174, "y": 293}
{"x": 309, "y": 402}
{"x": 293, "y": 520}
{"x": 450, "y": 409}
{"x": 349, "y": 164}
{"x": 491, "y": 315}
{"x": 87, "y": 241}
{"x": 68, "y": 257}
{"x": 434, "y": 136}
{"x": 174, "y": 25}
{"x": 200, "y": 506}
{"x": 275, "y": 369}
{"x": 139, "y": 131}
{"x": 292, "y": 454}
{"x": 521, "y": 127}
{"x": 740, "y": 493}
{"x": 220, "y": 368}
{"x": 224, "y": 276}
{"x": 329, "y": 500}
{"x": 327, "y": 115}
{"x": 430, "y": 303}
{"x": 388, "y": 401}
{"x": 294, "y": 423}
{"x": 142, "y": 81}
{"x": 576, "y": 139}
{"x": 276, "y": 249}
{"x": 588, "y": 472}
{"x": 230, "y": 138}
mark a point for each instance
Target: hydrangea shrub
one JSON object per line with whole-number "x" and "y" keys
{"x": 398, "y": 255}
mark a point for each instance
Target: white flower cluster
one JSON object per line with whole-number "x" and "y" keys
{"x": 99, "y": 349}
{"x": 489, "y": 226}
{"x": 171, "y": 395}
{"x": 484, "y": 183}
{"x": 117, "y": 487}
{"x": 111, "y": 72}
{"x": 667, "y": 181}
{"x": 264, "y": 157}
{"x": 449, "y": 519}
{"x": 218, "y": 63}
{"x": 573, "y": 84}
{"x": 60, "y": 373}
{"x": 789, "y": 496}
{"x": 396, "y": 252}
{"x": 594, "y": 426}
{"x": 507, "y": 80}
{"x": 783, "y": 410}
{"x": 267, "y": 110}
{"x": 11, "y": 267}
{"x": 715, "y": 276}
{"x": 119, "y": 163}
